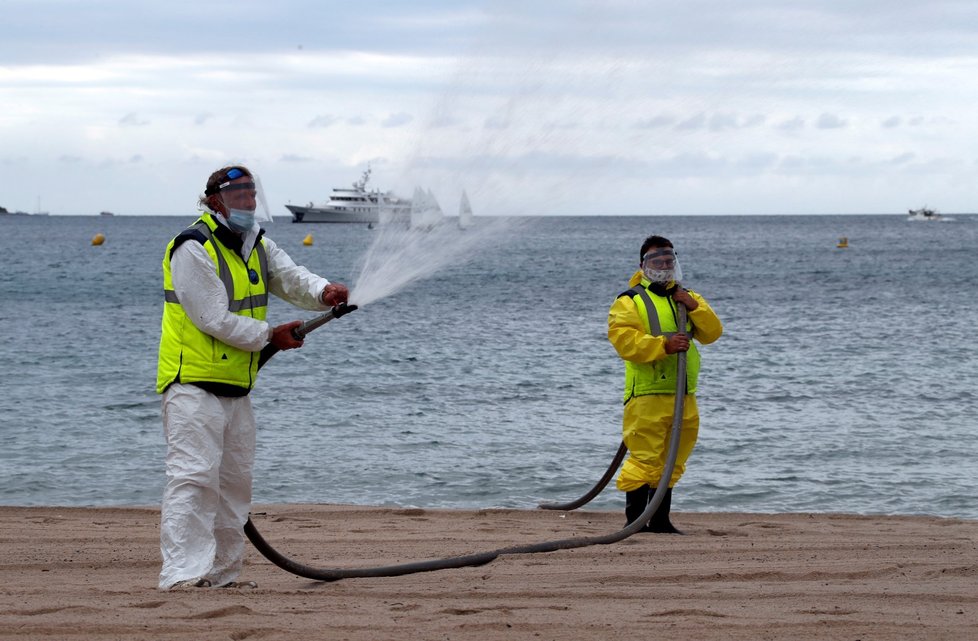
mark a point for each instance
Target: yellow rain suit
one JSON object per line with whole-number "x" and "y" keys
{"x": 650, "y": 381}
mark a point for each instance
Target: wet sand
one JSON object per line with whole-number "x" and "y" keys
{"x": 90, "y": 573}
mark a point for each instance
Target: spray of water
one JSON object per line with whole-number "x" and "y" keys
{"x": 400, "y": 256}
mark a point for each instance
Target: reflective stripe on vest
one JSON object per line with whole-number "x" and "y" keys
{"x": 224, "y": 273}
{"x": 652, "y": 322}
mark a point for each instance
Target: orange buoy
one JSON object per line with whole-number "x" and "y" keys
{"x": 98, "y": 239}
{"x": 307, "y": 240}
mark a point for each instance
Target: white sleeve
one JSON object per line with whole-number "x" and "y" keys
{"x": 291, "y": 282}
{"x": 205, "y": 301}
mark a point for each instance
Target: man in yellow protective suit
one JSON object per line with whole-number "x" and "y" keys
{"x": 643, "y": 327}
{"x": 217, "y": 277}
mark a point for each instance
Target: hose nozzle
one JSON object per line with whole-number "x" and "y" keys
{"x": 343, "y": 309}
{"x": 299, "y": 333}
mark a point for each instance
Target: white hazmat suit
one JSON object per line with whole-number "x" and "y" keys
{"x": 211, "y": 439}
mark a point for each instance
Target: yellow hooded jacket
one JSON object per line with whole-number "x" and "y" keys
{"x": 651, "y": 384}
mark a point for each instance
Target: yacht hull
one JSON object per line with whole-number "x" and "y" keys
{"x": 301, "y": 214}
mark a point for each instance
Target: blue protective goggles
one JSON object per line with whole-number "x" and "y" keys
{"x": 232, "y": 174}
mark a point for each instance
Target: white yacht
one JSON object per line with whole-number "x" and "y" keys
{"x": 356, "y": 205}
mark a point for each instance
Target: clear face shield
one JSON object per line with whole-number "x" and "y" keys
{"x": 242, "y": 199}
{"x": 661, "y": 265}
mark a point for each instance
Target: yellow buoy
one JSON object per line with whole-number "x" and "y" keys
{"x": 98, "y": 238}
{"x": 843, "y": 243}
{"x": 307, "y": 240}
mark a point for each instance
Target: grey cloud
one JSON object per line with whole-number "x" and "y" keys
{"x": 891, "y": 122}
{"x": 822, "y": 165}
{"x": 132, "y": 120}
{"x": 564, "y": 125}
{"x": 34, "y": 33}
{"x": 794, "y": 124}
{"x": 294, "y": 158}
{"x": 397, "y": 120}
{"x": 701, "y": 164}
{"x": 537, "y": 161}
{"x": 903, "y": 159}
{"x": 830, "y": 121}
{"x": 794, "y": 164}
{"x": 441, "y": 122}
{"x": 754, "y": 163}
{"x": 689, "y": 164}
{"x": 719, "y": 122}
{"x": 714, "y": 122}
{"x": 696, "y": 122}
{"x": 754, "y": 120}
{"x": 70, "y": 159}
{"x": 322, "y": 121}
{"x": 655, "y": 122}
{"x": 202, "y": 118}
{"x": 356, "y": 121}
{"x": 495, "y": 122}
{"x": 116, "y": 162}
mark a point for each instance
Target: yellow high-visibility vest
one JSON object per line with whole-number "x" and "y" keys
{"x": 659, "y": 377}
{"x": 188, "y": 355}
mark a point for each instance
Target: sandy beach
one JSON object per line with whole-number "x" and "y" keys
{"x": 90, "y": 573}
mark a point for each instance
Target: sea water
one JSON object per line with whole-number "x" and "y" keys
{"x": 844, "y": 381}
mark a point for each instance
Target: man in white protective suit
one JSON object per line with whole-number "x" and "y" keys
{"x": 217, "y": 275}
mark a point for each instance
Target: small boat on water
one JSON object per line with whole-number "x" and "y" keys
{"x": 356, "y": 205}
{"x": 106, "y": 213}
{"x": 924, "y": 213}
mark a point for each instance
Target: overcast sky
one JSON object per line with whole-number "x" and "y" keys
{"x": 534, "y": 107}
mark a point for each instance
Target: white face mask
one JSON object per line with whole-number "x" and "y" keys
{"x": 241, "y": 220}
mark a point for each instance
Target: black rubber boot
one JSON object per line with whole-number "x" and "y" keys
{"x": 635, "y": 502}
{"x": 660, "y": 523}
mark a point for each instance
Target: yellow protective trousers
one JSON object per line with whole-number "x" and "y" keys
{"x": 646, "y": 431}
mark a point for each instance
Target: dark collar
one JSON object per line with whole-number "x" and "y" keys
{"x": 660, "y": 289}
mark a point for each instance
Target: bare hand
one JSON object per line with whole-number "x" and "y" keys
{"x": 682, "y": 296}
{"x": 334, "y": 294}
{"x": 282, "y": 337}
{"x": 677, "y": 343}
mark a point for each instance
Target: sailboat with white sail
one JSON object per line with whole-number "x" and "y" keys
{"x": 464, "y": 212}
{"x": 426, "y": 213}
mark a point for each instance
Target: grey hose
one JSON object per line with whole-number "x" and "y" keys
{"x": 481, "y": 558}
{"x": 594, "y": 491}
